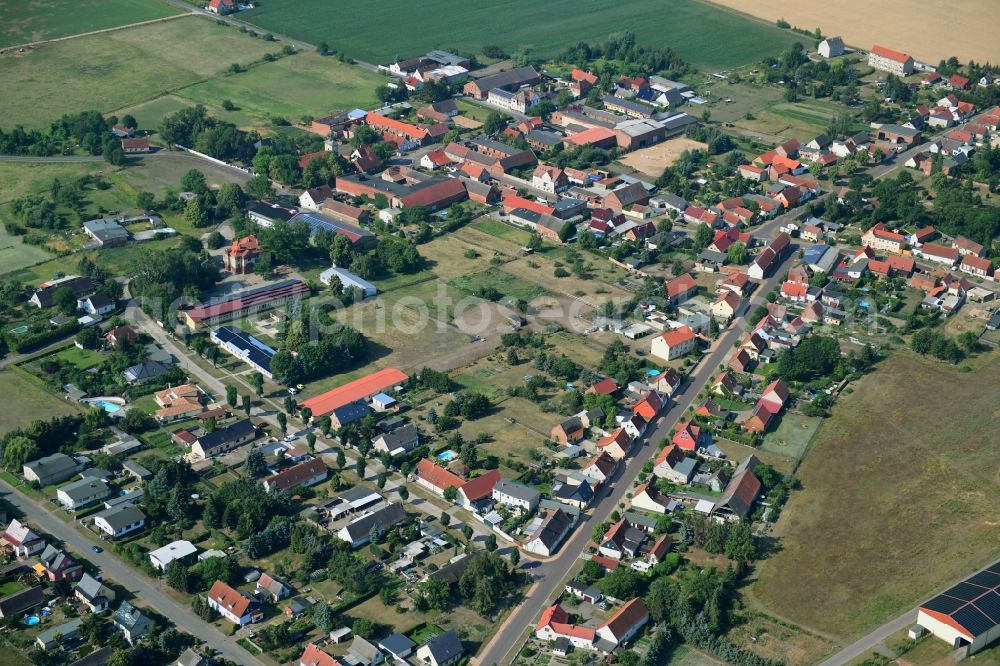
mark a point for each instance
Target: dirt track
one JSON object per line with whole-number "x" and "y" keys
{"x": 897, "y": 24}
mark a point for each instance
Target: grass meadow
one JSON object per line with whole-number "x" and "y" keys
{"x": 706, "y": 36}
{"x": 25, "y": 399}
{"x": 119, "y": 69}
{"x": 33, "y": 20}
{"x": 898, "y": 498}
{"x": 306, "y": 84}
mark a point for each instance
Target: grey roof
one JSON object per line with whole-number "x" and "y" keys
{"x": 396, "y": 643}
{"x": 517, "y": 491}
{"x": 122, "y": 516}
{"x": 351, "y": 412}
{"x": 553, "y": 528}
{"x": 57, "y": 463}
{"x": 96, "y": 658}
{"x": 189, "y": 658}
{"x": 406, "y": 437}
{"x": 68, "y": 630}
{"x": 253, "y": 349}
{"x": 21, "y": 601}
{"x": 135, "y": 468}
{"x": 222, "y": 436}
{"x": 84, "y": 488}
{"x": 300, "y": 604}
{"x": 570, "y": 493}
{"x": 91, "y": 588}
{"x": 634, "y": 107}
{"x": 444, "y": 647}
{"x": 131, "y": 497}
{"x": 130, "y": 617}
{"x": 569, "y": 510}
{"x": 512, "y": 77}
{"x": 899, "y": 129}
{"x": 105, "y": 229}
{"x": 362, "y": 648}
{"x": 634, "y": 518}
{"x": 545, "y": 138}
{"x": 673, "y": 200}
{"x": 686, "y": 467}
{"x": 386, "y": 517}
{"x": 145, "y": 370}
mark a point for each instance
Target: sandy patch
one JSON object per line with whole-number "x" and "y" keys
{"x": 653, "y": 160}
{"x": 897, "y": 24}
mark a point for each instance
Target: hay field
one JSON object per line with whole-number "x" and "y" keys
{"x": 898, "y": 498}
{"x": 863, "y": 24}
{"x": 653, "y": 160}
{"x": 27, "y": 21}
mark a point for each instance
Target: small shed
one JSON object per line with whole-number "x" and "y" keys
{"x": 340, "y": 635}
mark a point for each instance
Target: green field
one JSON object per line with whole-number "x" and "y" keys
{"x": 118, "y": 69}
{"x": 898, "y": 498}
{"x": 149, "y": 114}
{"x": 507, "y": 284}
{"x": 33, "y": 20}
{"x": 707, "y": 36}
{"x": 306, "y": 84}
{"x": 792, "y": 436}
{"x": 25, "y": 399}
{"x": 804, "y": 113}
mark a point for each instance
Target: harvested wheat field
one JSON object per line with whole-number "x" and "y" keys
{"x": 898, "y": 24}
{"x": 653, "y": 160}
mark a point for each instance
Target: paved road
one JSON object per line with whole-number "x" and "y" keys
{"x": 551, "y": 574}
{"x": 144, "y": 588}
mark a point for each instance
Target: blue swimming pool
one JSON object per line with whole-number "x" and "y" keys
{"x": 445, "y": 456}
{"x": 109, "y": 407}
{"x": 20, "y": 330}
{"x": 32, "y": 620}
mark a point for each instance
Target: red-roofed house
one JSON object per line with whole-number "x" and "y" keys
{"x": 776, "y": 394}
{"x": 650, "y": 405}
{"x": 795, "y": 291}
{"x": 221, "y": 7}
{"x": 386, "y": 125}
{"x": 761, "y": 416}
{"x": 617, "y": 445}
{"x": 958, "y": 82}
{"x": 554, "y": 624}
{"x": 606, "y": 386}
{"x": 601, "y": 468}
{"x": 307, "y": 473}
{"x": 437, "y": 479}
{"x": 232, "y": 605}
{"x": 890, "y": 61}
{"x": 751, "y": 172}
{"x": 681, "y": 288}
{"x": 478, "y": 493}
{"x": 625, "y": 623}
{"x": 359, "y": 389}
{"x": 974, "y": 265}
{"x": 314, "y": 656}
{"x": 691, "y": 437}
{"x": 939, "y": 253}
{"x": 880, "y": 239}
{"x": 22, "y": 540}
{"x": 673, "y": 344}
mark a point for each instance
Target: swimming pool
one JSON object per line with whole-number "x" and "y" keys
{"x": 32, "y": 620}
{"x": 445, "y": 456}
{"x": 20, "y": 330}
{"x": 109, "y": 407}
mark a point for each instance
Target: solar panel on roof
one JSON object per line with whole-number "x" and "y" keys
{"x": 965, "y": 591}
{"x": 986, "y": 579}
{"x": 989, "y": 604}
{"x": 943, "y": 604}
{"x": 995, "y": 568}
{"x": 973, "y": 620}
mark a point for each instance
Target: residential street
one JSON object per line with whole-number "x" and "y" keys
{"x": 147, "y": 591}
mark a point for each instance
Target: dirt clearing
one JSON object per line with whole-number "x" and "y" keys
{"x": 653, "y": 160}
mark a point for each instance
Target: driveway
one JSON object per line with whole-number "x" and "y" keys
{"x": 148, "y": 591}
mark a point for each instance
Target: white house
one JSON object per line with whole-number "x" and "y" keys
{"x": 550, "y": 533}
{"x": 673, "y": 344}
{"x": 162, "y": 558}
{"x": 625, "y": 623}
{"x": 232, "y": 605}
{"x": 831, "y": 47}
{"x": 442, "y": 650}
{"x": 515, "y": 495}
{"x": 84, "y": 492}
{"x": 95, "y": 305}
{"x": 120, "y": 520}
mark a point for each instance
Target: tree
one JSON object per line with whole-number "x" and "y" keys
{"x": 341, "y": 459}
{"x": 703, "y": 236}
{"x": 89, "y": 338}
{"x": 567, "y": 231}
{"x": 620, "y": 584}
{"x": 195, "y": 214}
{"x": 246, "y": 405}
{"x": 445, "y": 518}
{"x": 194, "y": 181}
{"x": 144, "y": 200}
{"x": 282, "y": 422}
{"x": 491, "y": 543}
{"x": 323, "y": 48}
{"x": 215, "y": 240}
{"x": 305, "y": 414}
{"x": 403, "y": 493}
{"x": 515, "y": 557}
{"x": 740, "y": 545}
{"x": 113, "y": 153}
{"x": 128, "y": 120}
{"x": 231, "y": 395}
{"x": 259, "y": 187}
{"x": 360, "y": 467}
{"x": 19, "y": 450}
{"x": 257, "y": 381}
{"x": 230, "y": 199}
{"x": 450, "y": 493}
{"x": 495, "y": 123}
{"x": 179, "y": 577}
{"x": 256, "y": 464}
{"x": 64, "y": 300}
{"x": 737, "y": 253}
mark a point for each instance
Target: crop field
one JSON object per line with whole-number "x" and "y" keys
{"x": 34, "y": 20}
{"x": 118, "y": 69}
{"x": 705, "y": 35}
{"x": 305, "y": 84}
{"x": 25, "y": 399}
{"x": 912, "y": 489}
{"x": 906, "y": 32}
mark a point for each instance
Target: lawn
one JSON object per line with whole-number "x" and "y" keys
{"x": 792, "y": 436}
{"x": 507, "y": 284}
{"x": 33, "y": 20}
{"x": 119, "y": 69}
{"x": 149, "y": 114}
{"x": 707, "y": 36}
{"x": 474, "y": 111}
{"x": 897, "y": 501}
{"x": 306, "y": 84}
{"x": 25, "y": 399}
{"x": 81, "y": 358}
{"x": 15, "y": 255}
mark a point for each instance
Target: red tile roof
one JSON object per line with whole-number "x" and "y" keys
{"x": 606, "y": 562}
{"x": 681, "y": 285}
{"x": 437, "y": 476}
{"x": 228, "y": 598}
{"x": 314, "y": 656}
{"x": 678, "y": 336}
{"x": 606, "y": 386}
{"x": 396, "y": 126}
{"x": 889, "y": 53}
{"x": 670, "y": 454}
{"x": 628, "y": 616}
{"x": 297, "y": 474}
{"x": 481, "y": 486}
{"x": 354, "y": 391}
